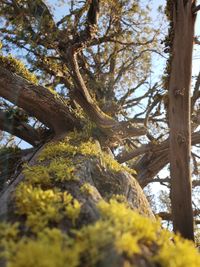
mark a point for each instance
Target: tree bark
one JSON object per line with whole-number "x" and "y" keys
{"x": 20, "y": 129}
{"x": 38, "y": 101}
{"x": 92, "y": 170}
{"x": 179, "y": 117}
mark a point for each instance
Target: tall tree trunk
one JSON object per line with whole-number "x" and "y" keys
{"x": 179, "y": 117}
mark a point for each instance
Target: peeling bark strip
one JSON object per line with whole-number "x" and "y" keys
{"x": 179, "y": 117}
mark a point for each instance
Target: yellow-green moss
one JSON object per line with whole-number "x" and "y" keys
{"x": 60, "y": 170}
{"x": 113, "y": 165}
{"x": 88, "y": 189}
{"x": 16, "y": 66}
{"x": 42, "y": 207}
{"x": 57, "y": 149}
{"x": 36, "y": 175}
{"x": 72, "y": 210}
{"x": 70, "y": 147}
{"x": 36, "y": 242}
{"x": 52, "y": 248}
{"x": 119, "y": 228}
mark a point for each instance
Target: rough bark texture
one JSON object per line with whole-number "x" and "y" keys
{"x": 38, "y": 101}
{"x": 179, "y": 117}
{"x": 89, "y": 170}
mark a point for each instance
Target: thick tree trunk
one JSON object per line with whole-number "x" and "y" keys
{"x": 91, "y": 170}
{"x": 100, "y": 180}
{"x": 179, "y": 117}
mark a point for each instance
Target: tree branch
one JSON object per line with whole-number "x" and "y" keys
{"x": 38, "y": 101}
{"x": 155, "y": 158}
{"x": 19, "y": 129}
{"x": 196, "y": 93}
{"x": 109, "y": 126}
{"x": 196, "y": 9}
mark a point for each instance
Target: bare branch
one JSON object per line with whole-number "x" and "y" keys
{"x": 196, "y": 93}
{"x": 19, "y": 129}
{"x": 196, "y": 9}
{"x": 155, "y": 159}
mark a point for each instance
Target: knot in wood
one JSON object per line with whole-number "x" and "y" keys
{"x": 181, "y": 138}
{"x": 179, "y": 92}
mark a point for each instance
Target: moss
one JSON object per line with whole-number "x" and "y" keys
{"x": 74, "y": 145}
{"x": 35, "y": 240}
{"x": 57, "y": 149}
{"x": 17, "y": 67}
{"x": 59, "y": 170}
{"x": 72, "y": 210}
{"x": 62, "y": 170}
{"x": 114, "y": 166}
{"x": 88, "y": 189}
{"x": 119, "y": 198}
{"x": 179, "y": 253}
{"x": 120, "y": 228}
{"x": 36, "y": 175}
{"x": 42, "y": 207}
{"x": 52, "y": 248}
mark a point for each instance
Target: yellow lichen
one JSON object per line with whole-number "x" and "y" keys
{"x": 36, "y": 175}
{"x": 115, "y": 166}
{"x": 62, "y": 170}
{"x": 180, "y": 253}
{"x": 71, "y": 147}
{"x": 73, "y": 210}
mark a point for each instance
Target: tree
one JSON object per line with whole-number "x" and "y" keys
{"x": 74, "y": 106}
{"x": 179, "y": 115}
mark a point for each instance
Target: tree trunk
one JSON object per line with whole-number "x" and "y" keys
{"x": 179, "y": 117}
{"x": 92, "y": 170}
{"x": 80, "y": 219}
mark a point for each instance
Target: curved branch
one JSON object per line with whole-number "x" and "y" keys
{"x": 38, "y": 101}
{"x": 108, "y": 125}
